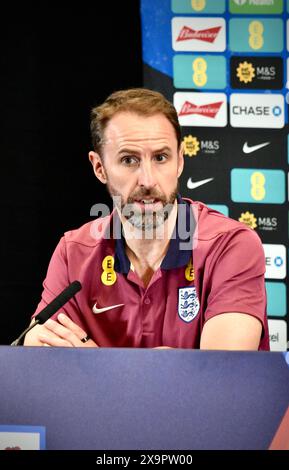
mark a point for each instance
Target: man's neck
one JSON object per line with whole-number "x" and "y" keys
{"x": 146, "y": 250}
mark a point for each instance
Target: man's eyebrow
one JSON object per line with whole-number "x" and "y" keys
{"x": 160, "y": 150}
{"x": 128, "y": 150}
{"x": 163, "y": 149}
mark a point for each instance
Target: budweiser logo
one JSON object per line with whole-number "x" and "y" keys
{"x": 207, "y": 110}
{"x": 207, "y": 35}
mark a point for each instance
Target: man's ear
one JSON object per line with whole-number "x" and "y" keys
{"x": 180, "y": 160}
{"x": 98, "y": 167}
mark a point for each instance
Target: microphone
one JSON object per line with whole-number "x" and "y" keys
{"x": 51, "y": 308}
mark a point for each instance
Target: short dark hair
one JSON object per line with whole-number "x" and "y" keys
{"x": 141, "y": 101}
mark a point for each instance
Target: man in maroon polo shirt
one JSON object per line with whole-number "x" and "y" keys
{"x": 160, "y": 271}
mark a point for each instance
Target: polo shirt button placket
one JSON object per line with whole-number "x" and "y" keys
{"x": 147, "y": 301}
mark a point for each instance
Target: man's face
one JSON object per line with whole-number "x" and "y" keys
{"x": 140, "y": 164}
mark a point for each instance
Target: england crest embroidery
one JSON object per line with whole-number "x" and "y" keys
{"x": 188, "y": 304}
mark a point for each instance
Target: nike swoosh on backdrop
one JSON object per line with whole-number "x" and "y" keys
{"x": 104, "y": 309}
{"x": 195, "y": 184}
{"x": 253, "y": 148}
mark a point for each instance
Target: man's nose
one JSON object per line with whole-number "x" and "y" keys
{"x": 146, "y": 177}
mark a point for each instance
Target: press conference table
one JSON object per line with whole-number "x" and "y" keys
{"x": 145, "y": 399}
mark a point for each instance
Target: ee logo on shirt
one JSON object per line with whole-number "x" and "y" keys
{"x": 108, "y": 276}
{"x": 190, "y": 272}
{"x": 258, "y": 186}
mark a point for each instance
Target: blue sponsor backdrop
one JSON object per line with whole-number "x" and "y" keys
{"x": 276, "y": 299}
{"x": 239, "y": 169}
{"x": 221, "y": 208}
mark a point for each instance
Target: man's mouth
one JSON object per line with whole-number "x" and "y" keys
{"x": 148, "y": 203}
{"x": 146, "y": 200}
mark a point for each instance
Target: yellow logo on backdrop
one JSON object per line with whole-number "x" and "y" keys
{"x": 256, "y": 39}
{"x": 198, "y": 5}
{"x": 245, "y": 72}
{"x": 108, "y": 276}
{"x": 258, "y": 181}
{"x": 191, "y": 146}
{"x": 248, "y": 219}
{"x": 199, "y": 67}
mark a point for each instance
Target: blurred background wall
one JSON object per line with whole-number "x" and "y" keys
{"x": 56, "y": 64}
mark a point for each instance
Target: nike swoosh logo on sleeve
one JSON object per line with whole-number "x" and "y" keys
{"x": 195, "y": 184}
{"x": 253, "y": 148}
{"x": 104, "y": 309}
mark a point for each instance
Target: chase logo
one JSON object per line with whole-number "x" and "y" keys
{"x": 199, "y": 34}
{"x": 260, "y": 35}
{"x": 256, "y": 7}
{"x": 198, "y": 6}
{"x": 199, "y": 71}
{"x": 275, "y": 257}
{"x": 258, "y": 186}
{"x": 276, "y": 299}
{"x": 257, "y": 110}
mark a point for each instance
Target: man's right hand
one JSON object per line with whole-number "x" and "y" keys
{"x": 61, "y": 333}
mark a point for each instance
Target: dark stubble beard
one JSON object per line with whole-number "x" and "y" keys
{"x": 144, "y": 220}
